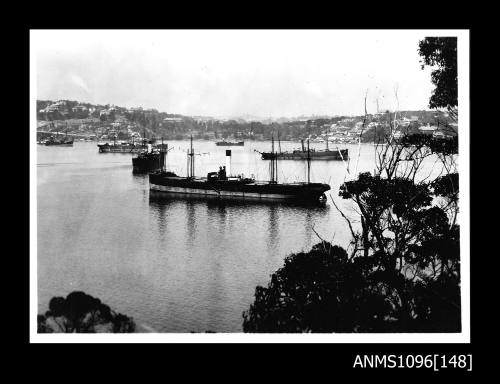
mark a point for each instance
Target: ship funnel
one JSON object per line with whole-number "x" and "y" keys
{"x": 228, "y": 162}
{"x": 163, "y": 155}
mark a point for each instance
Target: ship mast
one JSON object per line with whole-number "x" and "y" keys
{"x": 274, "y": 163}
{"x": 308, "y": 163}
{"x": 192, "y": 157}
{"x": 163, "y": 154}
{"x": 191, "y": 160}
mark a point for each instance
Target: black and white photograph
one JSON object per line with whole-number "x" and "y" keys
{"x": 249, "y": 185}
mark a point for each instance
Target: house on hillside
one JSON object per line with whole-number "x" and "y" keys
{"x": 79, "y": 108}
{"x": 428, "y": 129}
{"x": 438, "y": 134}
{"x": 404, "y": 122}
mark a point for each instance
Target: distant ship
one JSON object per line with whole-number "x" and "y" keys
{"x": 150, "y": 160}
{"x": 129, "y": 147}
{"x": 224, "y": 186}
{"x": 120, "y": 148}
{"x": 230, "y": 143}
{"x": 313, "y": 154}
{"x": 59, "y": 142}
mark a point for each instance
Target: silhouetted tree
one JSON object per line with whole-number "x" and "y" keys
{"x": 82, "y": 313}
{"x": 318, "y": 291}
{"x": 442, "y": 52}
{"x": 402, "y": 273}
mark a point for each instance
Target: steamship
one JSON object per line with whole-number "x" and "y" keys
{"x": 150, "y": 159}
{"x": 313, "y": 154}
{"x": 65, "y": 142}
{"x": 114, "y": 147}
{"x": 224, "y": 186}
{"x": 60, "y": 143}
{"x": 128, "y": 147}
{"x": 230, "y": 143}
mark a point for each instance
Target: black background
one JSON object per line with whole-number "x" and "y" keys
{"x": 175, "y": 362}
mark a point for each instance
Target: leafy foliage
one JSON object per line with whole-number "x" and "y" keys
{"x": 441, "y": 52}
{"x": 318, "y": 291}
{"x": 326, "y": 291}
{"x": 403, "y": 270}
{"x": 82, "y": 313}
{"x": 445, "y": 146}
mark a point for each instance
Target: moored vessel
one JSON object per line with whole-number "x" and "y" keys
{"x": 313, "y": 154}
{"x": 59, "y": 142}
{"x": 224, "y": 186}
{"x": 150, "y": 159}
{"x": 120, "y": 148}
{"x": 230, "y": 143}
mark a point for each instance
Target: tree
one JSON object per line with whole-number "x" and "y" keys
{"x": 402, "y": 271}
{"x": 318, "y": 291}
{"x": 441, "y": 52}
{"x": 82, "y": 313}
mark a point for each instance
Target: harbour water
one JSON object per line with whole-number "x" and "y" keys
{"x": 174, "y": 265}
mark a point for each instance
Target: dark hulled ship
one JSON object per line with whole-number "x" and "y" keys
{"x": 225, "y": 143}
{"x": 146, "y": 162}
{"x": 221, "y": 185}
{"x": 57, "y": 139}
{"x": 150, "y": 159}
{"x": 64, "y": 141}
{"x": 114, "y": 147}
{"x": 61, "y": 142}
{"x": 119, "y": 148}
{"x": 313, "y": 154}
{"x": 129, "y": 147}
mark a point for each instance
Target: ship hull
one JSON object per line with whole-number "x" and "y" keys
{"x": 179, "y": 186}
{"x": 59, "y": 144}
{"x": 146, "y": 164}
{"x": 119, "y": 149}
{"x": 238, "y": 144}
{"x": 240, "y": 195}
{"x": 323, "y": 155}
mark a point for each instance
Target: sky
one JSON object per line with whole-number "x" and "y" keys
{"x": 264, "y": 73}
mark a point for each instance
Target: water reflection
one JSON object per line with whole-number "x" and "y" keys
{"x": 214, "y": 221}
{"x": 191, "y": 222}
{"x": 217, "y": 208}
{"x": 273, "y": 227}
{"x": 216, "y": 247}
{"x": 308, "y": 232}
{"x": 160, "y": 213}
{"x": 141, "y": 180}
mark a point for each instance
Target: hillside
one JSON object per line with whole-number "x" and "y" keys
{"x": 105, "y": 121}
